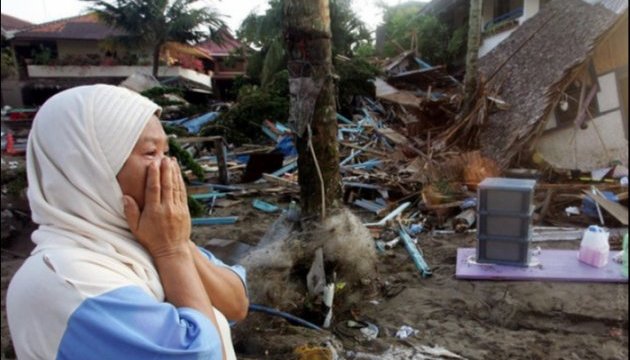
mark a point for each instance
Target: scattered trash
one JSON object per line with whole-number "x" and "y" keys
{"x": 293, "y": 213}
{"x": 406, "y": 331}
{"x": 392, "y": 243}
{"x": 369, "y": 330}
{"x": 572, "y": 210}
{"x": 312, "y": 352}
{"x": 464, "y": 220}
{"x": 415, "y": 229}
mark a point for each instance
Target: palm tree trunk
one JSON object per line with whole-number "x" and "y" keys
{"x": 474, "y": 39}
{"x": 308, "y": 39}
{"x": 156, "y": 59}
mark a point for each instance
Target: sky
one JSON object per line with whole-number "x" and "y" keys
{"x": 39, "y": 11}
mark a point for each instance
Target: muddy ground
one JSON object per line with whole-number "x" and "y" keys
{"x": 473, "y": 319}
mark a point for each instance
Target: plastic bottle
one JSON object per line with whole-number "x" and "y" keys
{"x": 624, "y": 267}
{"x": 293, "y": 214}
{"x": 594, "y": 248}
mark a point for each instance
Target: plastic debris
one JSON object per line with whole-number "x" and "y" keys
{"x": 406, "y": 331}
{"x": 572, "y": 210}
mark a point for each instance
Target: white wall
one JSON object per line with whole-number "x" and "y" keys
{"x": 530, "y": 8}
{"x": 594, "y": 147}
{"x": 40, "y": 71}
{"x": 491, "y": 42}
{"x": 608, "y": 95}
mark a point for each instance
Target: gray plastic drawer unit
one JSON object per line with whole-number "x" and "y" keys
{"x": 515, "y": 253}
{"x": 506, "y": 195}
{"x": 504, "y": 221}
{"x": 509, "y": 225}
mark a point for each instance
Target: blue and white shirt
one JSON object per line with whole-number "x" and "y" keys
{"x": 70, "y": 303}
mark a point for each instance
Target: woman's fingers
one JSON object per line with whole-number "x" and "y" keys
{"x": 166, "y": 180}
{"x": 177, "y": 187}
{"x": 152, "y": 190}
{"x": 182, "y": 185}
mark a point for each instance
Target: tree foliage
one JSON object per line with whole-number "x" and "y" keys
{"x": 355, "y": 77}
{"x": 406, "y": 29}
{"x": 152, "y": 23}
{"x": 264, "y": 32}
{"x": 9, "y": 67}
{"x": 255, "y": 104}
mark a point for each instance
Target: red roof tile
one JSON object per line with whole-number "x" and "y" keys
{"x": 82, "y": 27}
{"x": 226, "y": 47}
{"x": 10, "y": 23}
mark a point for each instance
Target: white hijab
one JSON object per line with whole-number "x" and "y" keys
{"x": 79, "y": 141}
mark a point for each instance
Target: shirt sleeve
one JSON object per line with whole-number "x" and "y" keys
{"x": 238, "y": 269}
{"x": 127, "y": 323}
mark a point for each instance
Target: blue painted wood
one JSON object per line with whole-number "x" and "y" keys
{"x": 417, "y": 258}
{"x": 208, "y": 196}
{"x": 215, "y": 220}
{"x": 265, "y": 206}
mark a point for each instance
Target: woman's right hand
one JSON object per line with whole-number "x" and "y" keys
{"x": 163, "y": 226}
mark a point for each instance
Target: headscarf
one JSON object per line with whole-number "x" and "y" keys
{"x": 79, "y": 141}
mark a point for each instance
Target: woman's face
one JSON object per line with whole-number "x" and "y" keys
{"x": 151, "y": 147}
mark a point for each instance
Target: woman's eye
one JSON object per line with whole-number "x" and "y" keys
{"x": 151, "y": 153}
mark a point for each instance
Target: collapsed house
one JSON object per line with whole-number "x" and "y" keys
{"x": 566, "y": 87}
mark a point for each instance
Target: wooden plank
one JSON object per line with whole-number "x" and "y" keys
{"x": 215, "y": 221}
{"x": 617, "y": 210}
{"x": 393, "y": 136}
{"x": 195, "y": 139}
{"x": 545, "y": 205}
{"x": 371, "y": 151}
{"x": 279, "y": 180}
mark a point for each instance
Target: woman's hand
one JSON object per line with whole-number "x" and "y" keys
{"x": 163, "y": 227}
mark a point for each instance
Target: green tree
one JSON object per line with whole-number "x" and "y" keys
{"x": 154, "y": 22}
{"x": 9, "y": 67}
{"x": 407, "y": 28}
{"x": 264, "y": 32}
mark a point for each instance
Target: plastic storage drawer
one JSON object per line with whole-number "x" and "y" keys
{"x": 492, "y": 251}
{"x": 508, "y": 226}
{"x": 506, "y": 195}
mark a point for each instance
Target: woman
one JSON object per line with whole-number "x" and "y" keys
{"x": 114, "y": 274}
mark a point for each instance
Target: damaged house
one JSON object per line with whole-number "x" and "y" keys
{"x": 564, "y": 74}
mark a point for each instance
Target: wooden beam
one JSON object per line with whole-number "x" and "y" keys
{"x": 195, "y": 139}
{"x": 617, "y": 210}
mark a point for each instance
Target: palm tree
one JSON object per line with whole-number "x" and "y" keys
{"x": 155, "y": 22}
{"x": 309, "y": 48}
{"x": 474, "y": 38}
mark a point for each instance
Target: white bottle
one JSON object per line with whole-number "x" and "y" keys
{"x": 594, "y": 248}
